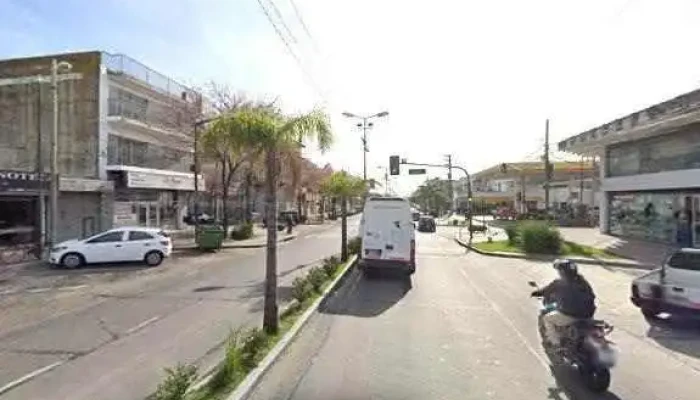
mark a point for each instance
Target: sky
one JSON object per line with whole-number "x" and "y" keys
{"x": 475, "y": 79}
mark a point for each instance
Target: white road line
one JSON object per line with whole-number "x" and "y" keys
{"x": 142, "y": 325}
{"x": 507, "y": 320}
{"x": 70, "y": 288}
{"x": 29, "y": 376}
{"x": 10, "y": 291}
{"x": 38, "y": 290}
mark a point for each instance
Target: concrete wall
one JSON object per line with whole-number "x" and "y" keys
{"x": 79, "y": 215}
{"x": 26, "y": 110}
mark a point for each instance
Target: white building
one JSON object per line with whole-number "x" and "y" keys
{"x": 650, "y": 172}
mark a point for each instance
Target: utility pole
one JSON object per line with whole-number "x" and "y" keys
{"x": 41, "y": 212}
{"x": 547, "y": 167}
{"x": 53, "y": 155}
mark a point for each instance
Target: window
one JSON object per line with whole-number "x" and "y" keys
{"x": 138, "y": 235}
{"x": 688, "y": 261}
{"x": 108, "y": 237}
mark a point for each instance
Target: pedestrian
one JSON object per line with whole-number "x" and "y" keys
{"x": 290, "y": 224}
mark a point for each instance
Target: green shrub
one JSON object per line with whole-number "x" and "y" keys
{"x": 330, "y": 265}
{"x": 539, "y": 237}
{"x": 231, "y": 368}
{"x": 176, "y": 382}
{"x": 317, "y": 277}
{"x": 301, "y": 289}
{"x": 355, "y": 245}
{"x": 252, "y": 349}
{"x": 242, "y": 232}
{"x": 512, "y": 232}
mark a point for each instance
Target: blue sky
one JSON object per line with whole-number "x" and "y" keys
{"x": 473, "y": 78}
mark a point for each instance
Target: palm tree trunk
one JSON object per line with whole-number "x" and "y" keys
{"x": 344, "y": 228}
{"x": 246, "y": 195}
{"x": 270, "y": 318}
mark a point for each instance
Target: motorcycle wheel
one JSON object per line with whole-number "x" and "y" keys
{"x": 596, "y": 379}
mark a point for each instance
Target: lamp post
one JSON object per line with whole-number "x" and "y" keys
{"x": 56, "y": 68}
{"x": 365, "y": 124}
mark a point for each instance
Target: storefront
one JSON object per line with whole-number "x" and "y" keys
{"x": 20, "y": 229}
{"x": 149, "y": 197}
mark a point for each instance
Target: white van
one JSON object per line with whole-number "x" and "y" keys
{"x": 388, "y": 235}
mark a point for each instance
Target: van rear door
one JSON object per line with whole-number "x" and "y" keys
{"x": 388, "y": 231}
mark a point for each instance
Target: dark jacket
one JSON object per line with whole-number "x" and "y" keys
{"x": 574, "y": 297}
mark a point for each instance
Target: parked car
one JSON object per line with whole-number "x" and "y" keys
{"x": 150, "y": 245}
{"x": 426, "y": 223}
{"x": 202, "y": 218}
{"x": 674, "y": 288}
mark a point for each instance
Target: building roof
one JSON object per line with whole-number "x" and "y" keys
{"x": 658, "y": 119}
{"x": 533, "y": 168}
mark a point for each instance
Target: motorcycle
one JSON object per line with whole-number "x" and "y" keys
{"x": 583, "y": 345}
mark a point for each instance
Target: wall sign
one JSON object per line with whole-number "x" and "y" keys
{"x": 21, "y": 181}
{"x": 147, "y": 180}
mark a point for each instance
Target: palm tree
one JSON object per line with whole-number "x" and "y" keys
{"x": 276, "y": 135}
{"x": 343, "y": 186}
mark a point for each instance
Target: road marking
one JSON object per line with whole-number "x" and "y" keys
{"x": 142, "y": 325}
{"x": 38, "y": 290}
{"x": 507, "y": 320}
{"x": 29, "y": 376}
{"x": 70, "y": 288}
{"x": 8, "y": 292}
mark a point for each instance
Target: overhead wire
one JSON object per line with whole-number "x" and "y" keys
{"x": 284, "y": 23}
{"x": 311, "y": 81}
{"x": 297, "y": 12}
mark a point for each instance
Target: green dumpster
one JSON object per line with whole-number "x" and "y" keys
{"x": 210, "y": 237}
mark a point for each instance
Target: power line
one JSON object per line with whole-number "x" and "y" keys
{"x": 281, "y": 18}
{"x": 303, "y": 24}
{"x": 291, "y": 52}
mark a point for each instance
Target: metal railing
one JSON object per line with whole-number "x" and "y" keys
{"x": 120, "y": 63}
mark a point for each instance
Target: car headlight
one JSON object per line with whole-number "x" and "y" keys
{"x": 59, "y": 248}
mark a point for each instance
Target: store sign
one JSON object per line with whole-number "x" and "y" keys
{"x": 147, "y": 180}
{"x": 20, "y": 181}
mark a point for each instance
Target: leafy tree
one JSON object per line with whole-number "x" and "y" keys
{"x": 343, "y": 186}
{"x": 433, "y": 195}
{"x": 225, "y": 143}
{"x": 274, "y": 134}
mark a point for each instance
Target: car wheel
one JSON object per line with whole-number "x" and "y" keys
{"x": 153, "y": 258}
{"x": 650, "y": 313}
{"x": 72, "y": 260}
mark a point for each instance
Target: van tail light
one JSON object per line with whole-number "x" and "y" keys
{"x": 413, "y": 251}
{"x": 165, "y": 242}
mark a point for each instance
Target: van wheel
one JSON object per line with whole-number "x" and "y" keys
{"x": 153, "y": 258}
{"x": 368, "y": 273}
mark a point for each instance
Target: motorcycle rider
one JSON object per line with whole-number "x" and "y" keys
{"x": 574, "y": 299}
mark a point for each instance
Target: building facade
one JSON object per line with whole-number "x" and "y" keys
{"x": 520, "y": 186}
{"x": 650, "y": 172}
{"x": 124, "y": 146}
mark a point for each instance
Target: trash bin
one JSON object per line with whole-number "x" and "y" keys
{"x": 210, "y": 237}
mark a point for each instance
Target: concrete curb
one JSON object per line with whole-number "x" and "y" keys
{"x": 246, "y": 387}
{"x": 546, "y": 257}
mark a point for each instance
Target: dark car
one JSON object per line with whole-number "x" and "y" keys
{"x": 426, "y": 224}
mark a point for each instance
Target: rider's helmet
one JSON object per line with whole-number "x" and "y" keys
{"x": 566, "y": 267}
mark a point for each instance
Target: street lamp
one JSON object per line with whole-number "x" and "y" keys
{"x": 365, "y": 125}
{"x": 56, "y": 68}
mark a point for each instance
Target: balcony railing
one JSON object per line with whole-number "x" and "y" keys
{"x": 170, "y": 119}
{"x": 120, "y": 63}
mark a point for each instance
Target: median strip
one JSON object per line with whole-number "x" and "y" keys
{"x": 249, "y": 354}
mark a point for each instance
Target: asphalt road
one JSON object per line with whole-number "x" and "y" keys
{"x": 108, "y": 332}
{"x": 464, "y": 327}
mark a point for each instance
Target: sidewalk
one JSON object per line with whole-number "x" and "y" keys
{"x": 259, "y": 238}
{"x": 642, "y": 251}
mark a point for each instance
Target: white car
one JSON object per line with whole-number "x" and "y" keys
{"x": 150, "y": 245}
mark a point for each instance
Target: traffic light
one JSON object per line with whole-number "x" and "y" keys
{"x": 394, "y": 165}
{"x": 504, "y": 168}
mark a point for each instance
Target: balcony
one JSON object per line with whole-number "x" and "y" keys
{"x": 170, "y": 127}
{"x": 119, "y": 64}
